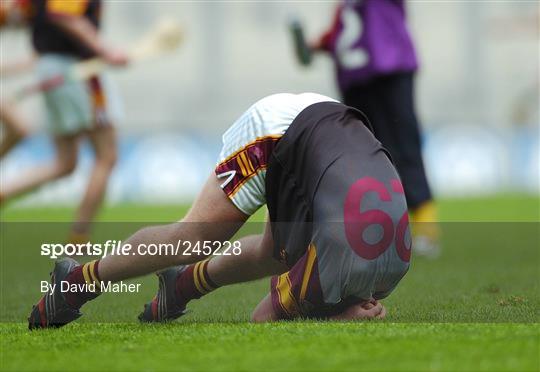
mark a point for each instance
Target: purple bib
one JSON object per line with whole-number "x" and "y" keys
{"x": 370, "y": 38}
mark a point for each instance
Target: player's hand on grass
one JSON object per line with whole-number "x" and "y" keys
{"x": 370, "y": 310}
{"x": 382, "y": 314}
{"x": 363, "y": 311}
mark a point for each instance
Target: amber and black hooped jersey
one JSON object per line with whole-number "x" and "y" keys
{"x": 49, "y": 38}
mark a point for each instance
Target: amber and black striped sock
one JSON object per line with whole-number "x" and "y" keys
{"x": 194, "y": 283}
{"x": 84, "y": 274}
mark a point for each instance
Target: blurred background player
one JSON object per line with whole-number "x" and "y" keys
{"x": 375, "y": 64}
{"x": 13, "y": 13}
{"x": 64, "y": 33}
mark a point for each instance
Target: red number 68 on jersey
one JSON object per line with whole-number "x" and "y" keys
{"x": 357, "y": 221}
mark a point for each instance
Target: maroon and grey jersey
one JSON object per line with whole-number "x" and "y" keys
{"x": 338, "y": 213}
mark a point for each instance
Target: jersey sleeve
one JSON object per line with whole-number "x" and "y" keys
{"x": 73, "y": 8}
{"x": 243, "y": 173}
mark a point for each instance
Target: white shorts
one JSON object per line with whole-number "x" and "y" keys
{"x": 248, "y": 144}
{"x": 77, "y": 105}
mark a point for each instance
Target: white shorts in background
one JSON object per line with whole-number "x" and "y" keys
{"x": 76, "y": 106}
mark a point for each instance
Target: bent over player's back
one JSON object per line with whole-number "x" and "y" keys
{"x": 338, "y": 213}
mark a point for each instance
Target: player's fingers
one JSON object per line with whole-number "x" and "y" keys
{"x": 368, "y": 305}
{"x": 373, "y": 312}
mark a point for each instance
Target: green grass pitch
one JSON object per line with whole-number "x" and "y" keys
{"x": 476, "y": 307}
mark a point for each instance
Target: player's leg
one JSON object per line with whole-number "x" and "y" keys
{"x": 212, "y": 217}
{"x": 14, "y": 128}
{"x": 401, "y": 116}
{"x": 255, "y": 262}
{"x": 398, "y": 99}
{"x": 103, "y": 141}
{"x": 184, "y": 284}
{"x": 63, "y": 165}
{"x": 66, "y": 118}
